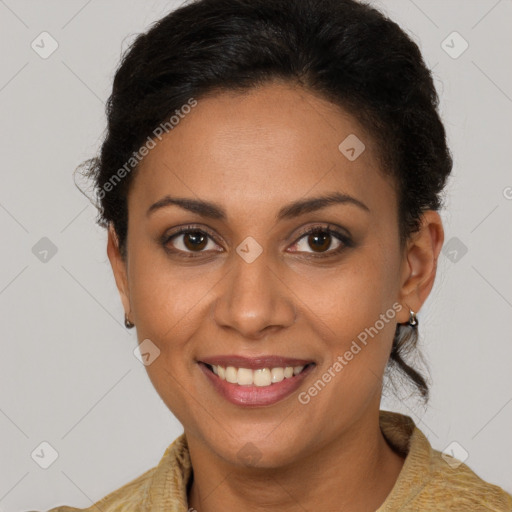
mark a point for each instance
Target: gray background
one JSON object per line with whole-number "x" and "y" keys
{"x": 68, "y": 373}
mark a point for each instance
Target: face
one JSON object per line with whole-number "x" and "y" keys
{"x": 259, "y": 284}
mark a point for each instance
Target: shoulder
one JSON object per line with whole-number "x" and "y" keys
{"x": 430, "y": 480}
{"x": 455, "y": 486}
{"x": 164, "y": 482}
{"x": 464, "y": 487}
{"x": 123, "y": 499}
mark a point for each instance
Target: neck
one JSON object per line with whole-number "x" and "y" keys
{"x": 354, "y": 472}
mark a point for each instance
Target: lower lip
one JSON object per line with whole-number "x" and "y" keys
{"x": 255, "y": 396}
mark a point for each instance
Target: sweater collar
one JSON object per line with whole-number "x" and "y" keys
{"x": 170, "y": 480}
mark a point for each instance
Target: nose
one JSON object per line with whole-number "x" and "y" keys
{"x": 253, "y": 299}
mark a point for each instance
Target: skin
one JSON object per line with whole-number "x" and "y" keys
{"x": 253, "y": 153}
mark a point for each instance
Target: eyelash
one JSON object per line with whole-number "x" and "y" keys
{"x": 327, "y": 228}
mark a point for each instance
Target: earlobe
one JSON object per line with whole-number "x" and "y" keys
{"x": 420, "y": 263}
{"x": 118, "y": 267}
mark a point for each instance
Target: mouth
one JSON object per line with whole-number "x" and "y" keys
{"x": 261, "y": 377}
{"x": 258, "y": 381}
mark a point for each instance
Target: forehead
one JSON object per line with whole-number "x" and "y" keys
{"x": 270, "y": 145}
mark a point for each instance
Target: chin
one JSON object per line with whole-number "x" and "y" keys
{"x": 252, "y": 450}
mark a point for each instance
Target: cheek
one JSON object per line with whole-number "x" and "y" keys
{"x": 351, "y": 309}
{"x": 168, "y": 307}
{"x": 167, "y": 301}
{"x": 359, "y": 323}
{"x": 352, "y": 296}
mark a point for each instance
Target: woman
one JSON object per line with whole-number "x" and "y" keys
{"x": 271, "y": 179}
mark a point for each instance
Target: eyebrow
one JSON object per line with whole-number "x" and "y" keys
{"x": 214, "y": 211}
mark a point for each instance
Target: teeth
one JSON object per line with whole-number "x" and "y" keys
{"x": 277, "y": 375}
{"x": 261, "y": 377}
{"x": 231, "y": 374}
{"x": 297, "y": 369}
{"x": 244, "y": 377}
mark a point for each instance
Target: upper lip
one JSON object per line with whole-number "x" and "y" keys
{"x": 254, "y": 363}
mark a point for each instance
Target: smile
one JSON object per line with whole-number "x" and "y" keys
{"x": 261, "y": 377}
{"x": 255, "y": 382}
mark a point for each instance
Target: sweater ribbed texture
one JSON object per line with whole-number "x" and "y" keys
{"x": 426, "y": 483}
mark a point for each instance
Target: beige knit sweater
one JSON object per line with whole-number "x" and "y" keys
{"x": 427, "y": 482}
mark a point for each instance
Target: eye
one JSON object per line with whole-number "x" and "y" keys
{"x": 321, "y": 239}
{"x": 189, "y": 239}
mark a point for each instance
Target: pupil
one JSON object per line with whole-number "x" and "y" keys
{"x": 197, "y": 238}
{"x": 315, "y": 238}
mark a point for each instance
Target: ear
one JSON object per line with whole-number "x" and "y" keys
{"x": 118, "y": 267}
{"x": 420, "y": 264}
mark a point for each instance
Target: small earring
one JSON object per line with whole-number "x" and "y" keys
{"x": 413, "y": 319}
{"x": 127, "y": 322}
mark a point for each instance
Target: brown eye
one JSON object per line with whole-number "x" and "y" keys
{"x": 195, "y": 240}
{"x": 189, "y": 240}
{"x": 318, "y": 241}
